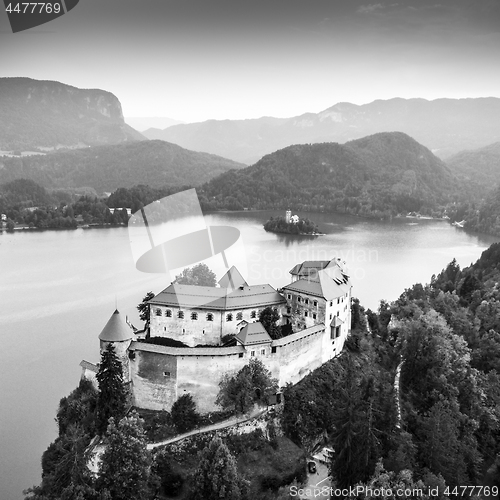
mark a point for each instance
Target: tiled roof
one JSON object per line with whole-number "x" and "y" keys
{"x": 116, "y": 330}
{"x": 89, "y": 366}
{"x": 328, "y": 283}
{"x": 307, "y": 266}
{"x": 186, "y": 351}
{"x": 253, "y": 333}
{"x": 232, "y": 279}
{"x": 220, "y": 299}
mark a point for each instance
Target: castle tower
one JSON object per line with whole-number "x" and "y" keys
{"x": 118, "y": 333}
{"x": 288, "y": 216}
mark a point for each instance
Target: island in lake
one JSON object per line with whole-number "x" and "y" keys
{"x": 291, "y": 224}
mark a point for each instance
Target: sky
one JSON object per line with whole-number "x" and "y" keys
{"x": 195, "y": 60}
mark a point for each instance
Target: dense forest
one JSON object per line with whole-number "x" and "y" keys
{"x": 27, "y": 204}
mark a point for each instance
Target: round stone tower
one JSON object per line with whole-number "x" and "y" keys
{"x": 118, "y": 333}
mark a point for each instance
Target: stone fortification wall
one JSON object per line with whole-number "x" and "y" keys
{"x": 161, "y": 374}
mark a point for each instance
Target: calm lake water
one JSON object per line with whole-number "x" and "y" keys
{"x": 58, "y": 289}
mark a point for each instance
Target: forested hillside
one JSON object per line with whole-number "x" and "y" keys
{"x": 381, "y": 175}
{"x": 106, "y": 168}
{"x": 444, "y": 340}
{"x": 479, "y": 169}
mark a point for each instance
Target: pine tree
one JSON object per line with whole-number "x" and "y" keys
{"x": 217, "y": 475}
{"x": 126, "y": 463}
{"x": 112, "y": 398}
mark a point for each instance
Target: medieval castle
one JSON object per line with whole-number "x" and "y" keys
{"x": 316, "y": 304}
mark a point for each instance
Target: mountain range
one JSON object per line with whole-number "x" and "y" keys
{"x": 46, "y": 115}
{"x": 445, "y": 126}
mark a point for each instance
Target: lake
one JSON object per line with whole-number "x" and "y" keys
{"x": 59, "y": 288}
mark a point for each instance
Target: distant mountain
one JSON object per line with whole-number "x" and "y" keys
{"x": 479, "y": 169}
{"x": 142, "y": 123}
{"x": 380, "y": 175}
{"x": 50, "y": 115}
{"x": 106, "y": 168}
{"x": 445, "y": 126}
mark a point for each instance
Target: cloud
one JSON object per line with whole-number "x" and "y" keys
{"x": 368, "y": 9}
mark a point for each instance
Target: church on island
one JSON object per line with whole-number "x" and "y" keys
{"x": 216, "y": 331}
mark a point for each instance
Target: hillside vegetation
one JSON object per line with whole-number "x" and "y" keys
{"x": 49, "y": 115}
{"x": 106, "y": 168}
{"x": 381, "y": 175}
{"x": 479, "y": 169}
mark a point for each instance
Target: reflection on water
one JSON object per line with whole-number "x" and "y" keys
{"x": 58, "y": 289}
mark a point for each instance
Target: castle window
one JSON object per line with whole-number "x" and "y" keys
{"x": 314, "y": 315}
{"x": 194, "y": 316}
{"x": 253, "y": 314}
{"x": 307, "y": 301}
{"x": 263, "y": 351}
{"x": 338, "y": 301}
{"x": 288, "y": 310}
{"x": 180, "y": 314}
{"x": 299, "y": 299}
{"x": 229, "y": 317}
{"x": 315, "y": 303}
{"x": 288, "y": 296}
{"x": 330, "y": 316}
{"x": 168, "y": 313}
{"x": 240, "y": 355}
{"x": 166, "y": 374}
{"x": 273, "y": 350}
{"x": 239, "y": 315}
{"x": 338, "y": 314}
{"x": 298, "y": 311}
{"x": 252, "y": 353}
{"x": 305, "y": 314}
{"x": 158, "y": 312}
{"x": 210, "y": 317}
{"x": 331, "y": 303}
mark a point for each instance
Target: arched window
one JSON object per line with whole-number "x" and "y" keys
{"x": 180, "y": 314}
{"x": 239, "y": 316}
{"x": 210, "y": 317}
{"x": 158, "y": 311}
{"x": 194, "y": 316}
{"x": 229, "y": 317}
{"x": 168, "y": 313}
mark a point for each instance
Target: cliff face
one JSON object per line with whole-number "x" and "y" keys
{"x": 50, "y": 115}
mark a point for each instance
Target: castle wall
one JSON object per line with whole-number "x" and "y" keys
{"x": 198, "y": 371}
{"x": 154, "y": 379}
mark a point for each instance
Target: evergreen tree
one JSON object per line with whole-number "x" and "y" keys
{"x": 143, "y": 308}
{"x": 126, "y": 464}
{"x": 184, "y": 414}
{"x": 112, "y": 398}
{"x": 217, "y": 476}
{"x": 268, "y": 317}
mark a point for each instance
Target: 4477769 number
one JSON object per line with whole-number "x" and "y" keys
{"x": 460, "y": 491}
{"x": 33, "y": 8}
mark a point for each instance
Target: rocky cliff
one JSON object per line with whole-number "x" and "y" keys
{"x": 46, "y": 115}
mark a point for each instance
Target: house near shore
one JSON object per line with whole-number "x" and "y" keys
{"x": 316, "y": 304}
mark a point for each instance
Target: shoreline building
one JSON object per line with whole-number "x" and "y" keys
{"x": 316, "y": 304}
